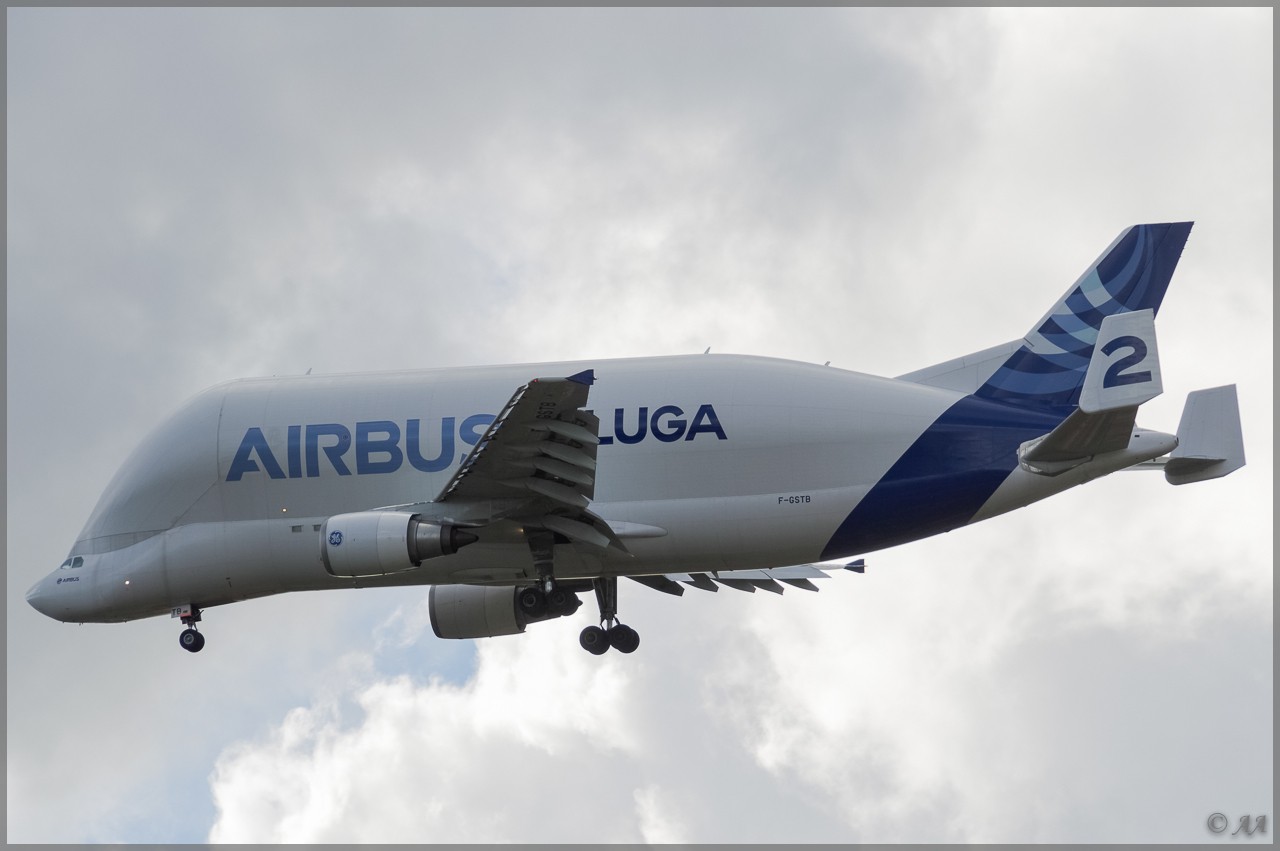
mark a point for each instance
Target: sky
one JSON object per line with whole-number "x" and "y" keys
{"x": 196, "y": 195}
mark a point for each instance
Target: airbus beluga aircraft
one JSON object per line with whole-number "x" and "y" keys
{"x": 512, "y": 490}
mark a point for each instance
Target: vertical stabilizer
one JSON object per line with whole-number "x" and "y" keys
{"x": 1048, "y": 370}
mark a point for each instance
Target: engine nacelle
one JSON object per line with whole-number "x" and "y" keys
{"x": 374, "y": 543}
{"x": 483, "y": 611}
{"x": 474, "y": 611}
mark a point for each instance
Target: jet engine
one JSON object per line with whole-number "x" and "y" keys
{"x": 374, "y": 543}
{"x": 483, "y": 611}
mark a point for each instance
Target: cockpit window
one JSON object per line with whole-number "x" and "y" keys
{"x": 78, "y": 561}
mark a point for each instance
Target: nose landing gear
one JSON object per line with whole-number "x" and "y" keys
{"x": 191, "y": 639}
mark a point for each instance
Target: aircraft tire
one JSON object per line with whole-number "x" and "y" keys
{"x": 560, "y": 602}
{"x": 191, "y": 640}
{"x": 624, "y": 639}
{"x": 532, "y": 602}
{"x": 594, "y": 640}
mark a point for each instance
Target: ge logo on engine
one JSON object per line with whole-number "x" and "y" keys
{"x": 335, "y": 539}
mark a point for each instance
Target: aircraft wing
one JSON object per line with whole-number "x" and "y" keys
{"x": 536, "y": 463}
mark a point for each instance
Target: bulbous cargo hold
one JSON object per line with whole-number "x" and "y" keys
{"x": 375, "y": 543}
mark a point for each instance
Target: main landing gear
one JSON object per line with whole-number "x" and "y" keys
{"x": 190, "y": 639}
{"x": 611, "y": 633}
{"x": 538, "y": 605}
{"x": 549, "y": 599}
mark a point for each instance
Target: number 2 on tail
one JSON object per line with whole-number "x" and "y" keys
{"x": 1116, "y": 375}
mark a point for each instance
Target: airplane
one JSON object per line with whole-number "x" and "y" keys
{"x": 512, "y": 490}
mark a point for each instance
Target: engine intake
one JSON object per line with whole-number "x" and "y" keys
{"x": 375, "y": 543}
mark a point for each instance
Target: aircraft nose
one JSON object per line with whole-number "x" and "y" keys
{"x": 54, "y": 598}
{"x": 38, "y": 597}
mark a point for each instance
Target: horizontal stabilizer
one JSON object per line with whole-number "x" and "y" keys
{"x": 1077, "y": 439}
{"x": 1210, "y": 442}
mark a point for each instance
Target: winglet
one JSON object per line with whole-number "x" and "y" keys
{"x": 587, "y": 377}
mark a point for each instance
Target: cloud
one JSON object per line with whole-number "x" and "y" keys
{"x": 435, "y": 750}
{"x": 926, "y": 701}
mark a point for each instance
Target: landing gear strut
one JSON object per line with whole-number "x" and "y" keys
{"x": 611, "y": 633}
{"x": 190, "y": 639}
{"x": 547, "y": 599}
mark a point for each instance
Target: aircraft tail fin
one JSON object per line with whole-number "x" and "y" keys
{"x": 1123, "y": 372}
{"x": 1047, "y": 368}
{"x": 1210, "y": 443}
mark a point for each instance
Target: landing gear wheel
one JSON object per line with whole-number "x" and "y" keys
{"x": 623, "y": 638}
{"x": 532, "y": 602}
{"x": 561, "y": 602}
{"x": 191, "y": 640}
{"x": 594, "y": 640}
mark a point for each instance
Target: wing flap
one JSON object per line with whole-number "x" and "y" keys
{"x": 701, "y": 581}
{"x": 561, "y": 470}
{"x": 569, "y": 431}
{"x": 576, "y": 530}
{"x": 563, "y": 494}
{"x": 749, "y": 580}
{"x": 661, "y": 583}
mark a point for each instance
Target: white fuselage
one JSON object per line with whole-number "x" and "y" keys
{"x": 743, "y": 462}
